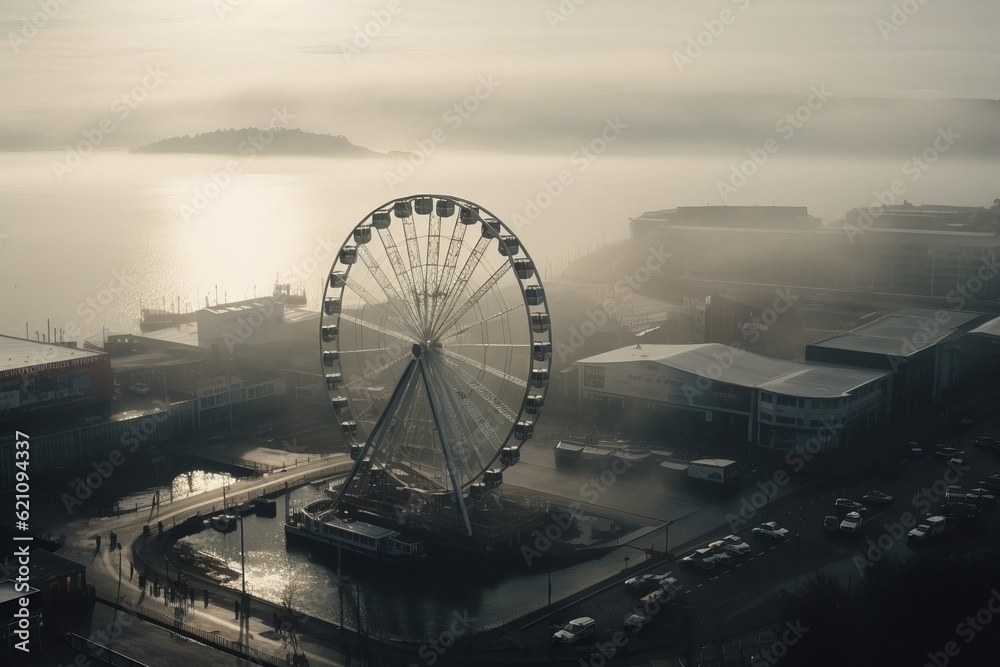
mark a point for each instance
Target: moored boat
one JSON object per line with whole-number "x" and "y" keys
{"x": 319, "y": 521}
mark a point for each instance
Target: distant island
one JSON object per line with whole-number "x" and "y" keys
{"x": 253, "y": 140}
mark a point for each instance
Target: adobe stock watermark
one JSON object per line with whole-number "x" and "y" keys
{"x": 138, "y": 433}
{"x": 223, "y": 7}
{"x": 364, "y": 35}
{"x": 218, "y": 181}
{"x": 895, "y": 532}
{"x": 914, "y": 169}
{"x": 968, "y": 629}
{"x": 783, "y": 301}
{"x": 248, "y": 323}
{"x": 932, "y": 327}
{"x": 562, "y": 12}
{"x": 454, "y": 117}
{"x": 778, "y": 649}
{"x": 562, "y": 522}
{"x": 121, "y": 108}
{"x": 581, "y": 159}
{"x": 32, "y": 25}
{"x": 705, "y": 39}
{"x": 623, "y": 290}
{"x": 796, "y": 458}
{"x": 431, "y": 651}
{"x": 786, "y": 127}
{"x": 899, "y": 17}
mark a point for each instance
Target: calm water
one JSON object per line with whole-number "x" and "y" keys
{"x": 115, "y": 233}
{"x": 394, "y": 602}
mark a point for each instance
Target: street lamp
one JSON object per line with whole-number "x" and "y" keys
{"x": 243, "y": 569}
{"x": 118, "y": 595}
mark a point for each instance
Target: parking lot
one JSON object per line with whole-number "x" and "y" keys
{"x": 735, "y": 596}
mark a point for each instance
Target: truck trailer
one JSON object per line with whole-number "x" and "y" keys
{"x": 719, "y": 471}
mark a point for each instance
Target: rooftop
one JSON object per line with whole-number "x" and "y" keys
{"x": 902, "y": 333}
{"x": 18, "y": 353}
{"x": 990, "y": 328}
{"x": 747, "y": 369}
{"x": 242, "y": 306}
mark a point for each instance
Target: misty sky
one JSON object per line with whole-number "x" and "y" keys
{"x": 229, "y": 63}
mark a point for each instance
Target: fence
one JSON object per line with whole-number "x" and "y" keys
{"x": 192, "y": 632}
{"x": 98, "y": 652}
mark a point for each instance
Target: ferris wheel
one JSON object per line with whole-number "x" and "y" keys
{"x": 436, "y": 346}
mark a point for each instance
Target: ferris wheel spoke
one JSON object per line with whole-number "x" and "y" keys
{"x": 373, "y": 303}
{"x": 416, "y": 265}
{"x": 453, "y": 292}
{"x": 395, "y": 299}
{"x": 374, "y": 371}
{"x": 446, "y": 448}
{"x": 484, "y": 392}
{"x": 433, "y": 250}
{"x": 481, "y": 366}
{"x": 403, "y": 277}
{"x": 453, "y": 319}
{"x": 470, "y": 423}
{"x": 378, "y": 327}
{"x": 445, "y": 276}
{"x": 464, "y": 418}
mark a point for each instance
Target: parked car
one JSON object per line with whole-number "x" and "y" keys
{"x": 770, "y": 530}
{"x": 849, "y": 505}
{"x": 915, "y": 449}
{"x": 933, "y": 526}
{"x": 637, "y": 620}
{"x": 576, "y": 630}
{"x": 732, "y": 545}
{"x": 946, "y": 453}
{"x": 696, "y": 560}
{"x": 877, "y": 498}
{"x": 985, "y": 496}
{"x": 831, "y": 522}
{"x": 140, "y": 389}
{"x": 719, "y": 559}
{"x": 957, "y": 512}
{"x": 851, "y": 523}
{"x": 670, "y": 590}
{"x": 647, "y": 581}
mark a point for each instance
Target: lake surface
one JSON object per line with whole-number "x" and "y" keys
{"x": 86, "y": 249}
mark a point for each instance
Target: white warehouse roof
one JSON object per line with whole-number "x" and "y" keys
{"x": 901, "y": 333}
{"x": 746, "y": 369}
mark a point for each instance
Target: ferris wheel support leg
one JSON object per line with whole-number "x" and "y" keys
{"x": 436, "y": 413}
{"x": 397, "y": 395}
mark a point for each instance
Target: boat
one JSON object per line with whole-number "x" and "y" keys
{"x": 224, "y": 523}
{"x": 633, "y": 453}
{"x": 320, "y": 522}
{"x": 154, "y": 319}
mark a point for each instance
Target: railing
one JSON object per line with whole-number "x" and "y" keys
{"x": 98, "y": 652}
{"x": 212, "y": 639}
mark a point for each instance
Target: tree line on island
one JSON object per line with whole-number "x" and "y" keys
{"x": 253, "y": 140}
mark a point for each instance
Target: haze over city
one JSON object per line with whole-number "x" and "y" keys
{"x": 462, "y": 333}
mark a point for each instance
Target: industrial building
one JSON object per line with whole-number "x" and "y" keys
{"x": 929, "y": 251}
{"x": 715, "y": 392}
{"x": 922, "y": 349}
{"x": 52, "y": 382}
